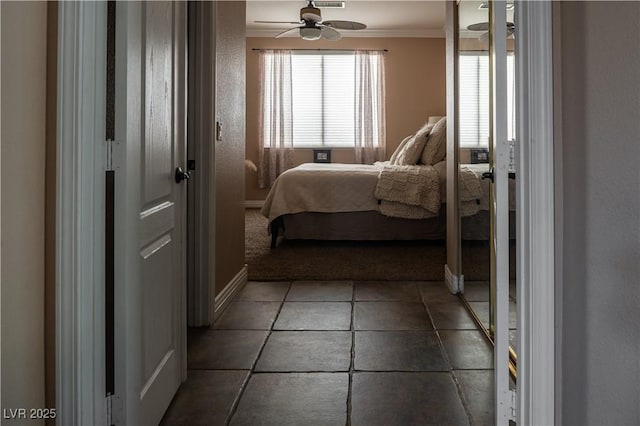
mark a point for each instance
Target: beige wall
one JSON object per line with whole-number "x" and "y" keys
{"x": 415, "y": 89}
{"x": 599, "y": 202}
{"x": 24, "y": 27}
{"x": 229, "y": 153}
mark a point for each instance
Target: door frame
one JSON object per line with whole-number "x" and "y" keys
{"x": 499, "y": 236}
{"x": 536, "y": 220}
{"x": 80, "y": 216}
{"x": 201, "y": 213}
{"x": 81, "y": 161}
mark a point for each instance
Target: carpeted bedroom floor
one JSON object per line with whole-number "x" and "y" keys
{"x": 353, "y": 260}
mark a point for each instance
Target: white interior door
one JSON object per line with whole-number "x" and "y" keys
{"x": 162, "y": 206}
{"x": 500, "y": 209}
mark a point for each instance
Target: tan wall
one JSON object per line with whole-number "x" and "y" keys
{"x": 598, "y": 79}
{"x": 229, "y": 153}
{"x": 415, "y": 87}
{"x": 24, "y": 43}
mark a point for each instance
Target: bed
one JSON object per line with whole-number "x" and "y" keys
{"x": 400, "y": 199}
{"x": 338, "y": 202}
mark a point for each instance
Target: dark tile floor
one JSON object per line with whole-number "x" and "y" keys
{"x": 338, "y": 353}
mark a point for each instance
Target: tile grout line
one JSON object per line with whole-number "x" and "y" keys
{"x": 447, "y": 359}
{"x": 353, "y": 353}
{"x": 351, "y": 370}
{"x": 236, "y": 402}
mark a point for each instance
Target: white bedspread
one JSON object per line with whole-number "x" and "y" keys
{"x": 324, "y": 188}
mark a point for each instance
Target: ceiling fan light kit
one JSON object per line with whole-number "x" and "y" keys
{"x": 310, "y": 33}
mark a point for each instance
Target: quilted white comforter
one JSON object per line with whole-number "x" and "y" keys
{"x": 329, "y": 188}
{"x": 339, "y": 188}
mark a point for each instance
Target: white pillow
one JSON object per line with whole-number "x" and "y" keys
{"x": 399, "y": 150}
{"x": 412, "y": 150}
{"x": 436, "y": 147}
{"x": 414, "y": 146}
{"x": 432, "y": 122}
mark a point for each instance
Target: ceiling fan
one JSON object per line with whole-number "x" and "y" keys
{"x": 312, "y": 27}
{"x": 484, "y": 26}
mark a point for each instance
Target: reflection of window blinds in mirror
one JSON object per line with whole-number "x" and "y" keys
{"x": 323, "y": 99}
{"x": 474, "y": 99}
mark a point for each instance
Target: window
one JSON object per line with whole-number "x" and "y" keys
{"x": 474, "y": 100}
{"x": 324, "y": 98}
{"x": 323, "y": 92}
{"x": 319, "y": 100}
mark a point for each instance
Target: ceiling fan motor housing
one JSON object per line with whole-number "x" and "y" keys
{"x": 310, "y": 13}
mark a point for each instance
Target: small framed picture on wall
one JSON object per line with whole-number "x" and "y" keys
{"x": 479, "y": 155}
{"x": 321, "y": 155}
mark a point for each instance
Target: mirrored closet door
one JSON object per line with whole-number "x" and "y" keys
{"x": 486, "y": 114}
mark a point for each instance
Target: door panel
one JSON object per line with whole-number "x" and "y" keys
{"x": 162, "y": 206}
{"x": 158, "y": 150}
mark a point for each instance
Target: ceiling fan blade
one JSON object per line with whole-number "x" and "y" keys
{"x": 484, "y": 26}
{"x": 329, "y": 33}
{"x": 484, "y": 37}
{"x": 282, "y": 34}
{"x": 345, "y": 25}
{"x": 480, "y": 26}
{"x": 277, "y": 22}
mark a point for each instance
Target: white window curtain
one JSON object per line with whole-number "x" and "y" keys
{"x": 276, "y": 116}
{"x": 370, "y": 126}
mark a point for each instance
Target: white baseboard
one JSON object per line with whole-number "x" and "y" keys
{"x": 253, "y": 204}
{"x": 227, "y": 294}
{"x": 454, "y": 282}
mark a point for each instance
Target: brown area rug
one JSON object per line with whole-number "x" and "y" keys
{"x": 352, "y": 260}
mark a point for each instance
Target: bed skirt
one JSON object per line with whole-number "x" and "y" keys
{"x": 371, "y": 225}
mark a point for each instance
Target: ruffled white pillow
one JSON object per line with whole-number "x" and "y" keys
{"x": 399, "y": 150}
{"x": 415, "y": 146}
{"x": 436, "y": 147}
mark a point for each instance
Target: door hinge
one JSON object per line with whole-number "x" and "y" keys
{"x": 514, "y": 404}
{"x": 218, "y": 131}
{"x": 114, "y": 410}
{"x": 109, "y": 154}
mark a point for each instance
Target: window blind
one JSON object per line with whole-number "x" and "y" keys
{"x": 474, "y": 99}
{"x": 323, "y": 90}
